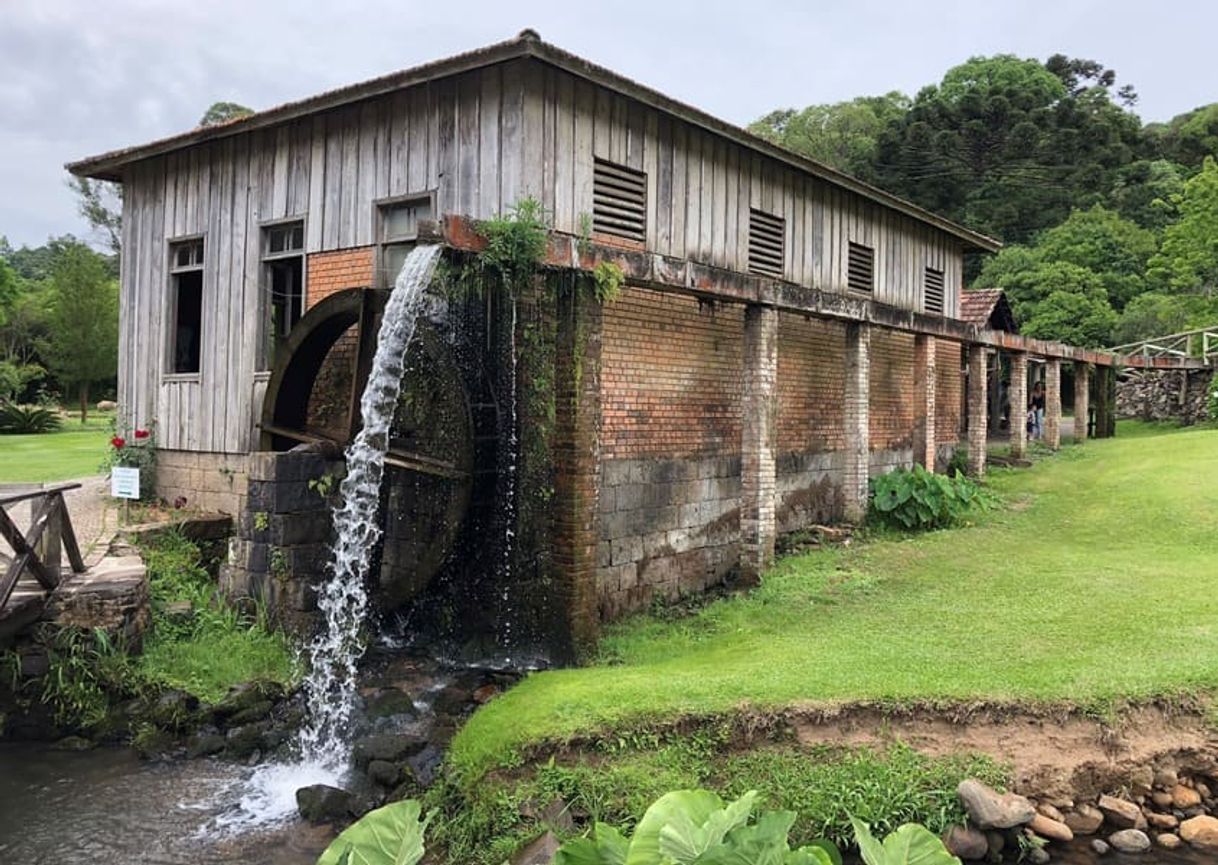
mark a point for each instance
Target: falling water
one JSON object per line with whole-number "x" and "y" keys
{"x": 509, "y": 492}
{"x": 330, "y": 686}
{"x": 343, "y": 597}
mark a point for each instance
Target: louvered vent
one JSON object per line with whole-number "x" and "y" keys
{"x": 767, "y": 237}
{"x": 860, "y": 271}
{"x": 933, "y": 288}
{"x": 619, "y": 201}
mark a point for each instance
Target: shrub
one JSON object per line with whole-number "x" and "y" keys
{"x": 917, "y": 499}
{"x": 27, "y": 419}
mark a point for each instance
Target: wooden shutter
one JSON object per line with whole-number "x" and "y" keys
{"x": 860, "y": 271}
{"x": 932, "y": 288}
{"x": 619, "y": 201}
{"x": 767, "y": 244}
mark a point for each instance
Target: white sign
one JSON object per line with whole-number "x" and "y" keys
{"x": 125, "y": 482}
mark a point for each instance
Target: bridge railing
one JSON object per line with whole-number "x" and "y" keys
{"x": 38, "y": 550}
{"x": 1202, "y": 343}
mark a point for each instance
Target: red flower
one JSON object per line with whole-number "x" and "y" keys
{"x": 142, "y": 434}
{"x": 118, "y": 443}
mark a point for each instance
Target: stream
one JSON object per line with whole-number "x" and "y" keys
{"x": 107, "y": 806}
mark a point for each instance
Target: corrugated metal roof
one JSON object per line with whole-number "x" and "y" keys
{"x": 108, "y": 166}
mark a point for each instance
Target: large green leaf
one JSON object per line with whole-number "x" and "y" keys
{"x": 392, "y": 835}
{"x": 696, "y": 805}
{"x": 910, "y": 844}
{"x": 683, "y": 840}
{"x": 607, "y": 846}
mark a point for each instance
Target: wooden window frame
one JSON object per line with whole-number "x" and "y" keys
{"x": 265, "y": 257}
{"x": 172, "y": 270}
{"x": 379, "y": 206}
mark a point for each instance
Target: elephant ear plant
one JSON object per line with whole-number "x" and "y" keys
{"x": 392, "y": 835}
{"x": 910, "y": 844}
{"x": 696, "y": 827}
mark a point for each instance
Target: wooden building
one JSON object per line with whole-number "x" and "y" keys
{"x": 231, "y": 233}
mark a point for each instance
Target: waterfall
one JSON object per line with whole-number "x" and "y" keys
{"x": 330, "y": 685}
{"x": 343, "y": 595}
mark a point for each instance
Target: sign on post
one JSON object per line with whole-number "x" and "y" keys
{"x": 125, "y": 482}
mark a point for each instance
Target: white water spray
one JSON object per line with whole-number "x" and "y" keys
{"x": 330, "y": 686}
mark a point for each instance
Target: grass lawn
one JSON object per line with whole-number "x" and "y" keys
{"x": 1097, "y": 580}
{"x": 76, "y": 451}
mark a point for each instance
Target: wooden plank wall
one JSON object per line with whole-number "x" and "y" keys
{"x": 480, "y": 141}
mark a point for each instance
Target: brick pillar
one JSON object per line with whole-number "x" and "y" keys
{"x": 1082, "y": 394}
{"x": 577, "y": 388}
{"x": 858, "y": 421}
{"x": 978, "y": 422}
{"x": 1053, "y": 403}
{"x": 924, "y": 443}
{"x": 757, "y": 516}
{"x": 1018, "y": 392}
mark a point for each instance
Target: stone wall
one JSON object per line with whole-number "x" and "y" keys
{"x": 202, "y": 481}
{"x": 1164, "y": 395}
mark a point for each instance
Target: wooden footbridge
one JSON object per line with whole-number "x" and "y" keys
{"x": 35, "y": 581}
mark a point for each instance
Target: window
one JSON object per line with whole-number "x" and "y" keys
{"x": 282, "y": 298}
{"x": 860, "y": 268}
{"x": 186, "y": 300}
{"x": 619, "y": 201}
{"x": 767, "y": 239}
{"x": 398, "y": 230}
{"x": 932, "y": 291}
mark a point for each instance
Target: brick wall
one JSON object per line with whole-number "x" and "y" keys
{"x": 669, "y": 501}
{"x": 333, "y": 271}
{"x": 949, "y": 392}
{"x": 330, "y": 272}
{"x": 892, "y": 381}
{"x": 671, "y": 380}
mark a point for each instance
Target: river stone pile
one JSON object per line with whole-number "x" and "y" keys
{"x": 1165, "y": 395}
{"x": 1161, "y": 807}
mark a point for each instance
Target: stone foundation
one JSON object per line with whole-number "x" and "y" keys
{"x": 202, "y": 481}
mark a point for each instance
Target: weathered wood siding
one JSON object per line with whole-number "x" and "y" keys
{"x": 479, "y": 142}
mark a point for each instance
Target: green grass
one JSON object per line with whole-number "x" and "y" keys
{"x": 76, "y": 451}
{"x": 1095, "y": 582}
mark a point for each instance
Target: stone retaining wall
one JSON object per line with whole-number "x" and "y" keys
{"x": 1164, "y": 395}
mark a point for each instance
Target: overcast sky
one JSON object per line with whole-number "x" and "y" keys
{"x": 78, "y": 77}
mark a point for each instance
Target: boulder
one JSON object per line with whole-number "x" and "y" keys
{"x": 1201, "y": 832}
{"x": 390, "y": 703}
{"x": 1166, "y": 778}
{"x": 384, "y": 773}
{"x": 539, "y": 852}
{"x": 107, "y": 405}
{"x": 1141, "y": 780}
{"x": 1129, "y": 841}
{"x": 205, "y": 745}
{"x": 1038, "y": 856}
{"x": 1047, "y": 827}
{"x": 989, "y": 809}
{"x": 1120, "y": 812}
{"x": 1184, "y": 797}
{"x": 1161, "y": 798}
{"x": 425, "y": 764}
{"x": 321, "y": 803}
{"x": 74, "y": 743}
{"x": 1099, "y": 846}
{"x": 1161, "y": 821}
{"x": 966, "y": 842}
{"x": 390, "y": 747}
{"x": 257, "y": 711}
{"x": 173, "y": 710}
{"x": 1168, "y": 841}
{"x": 1050, "y": 811}
{"x": 244, "y": 741}
{"x": 244, "y": 696}
{"x": 1085, "y": 819}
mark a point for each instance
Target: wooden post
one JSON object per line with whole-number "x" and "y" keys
{"x": 978, "y": 423}
{"x": 924, "y": 443}
{"x": 1019, "y": 404}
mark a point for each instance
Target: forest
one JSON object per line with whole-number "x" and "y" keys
{"x": 1110, "y": 224}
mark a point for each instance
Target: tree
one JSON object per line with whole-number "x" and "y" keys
{"x": 82, "y": 321}
{"x": 1187, "y": 138}
{"x": 224, "y": 112}
{"x": 9, "y": 290}
{"x": 1052, "y": 299}
{"x": 1143, "y": 192}
{"x": 1157, "y": 314}
{"x": 842, "y": 135}
{"x": 1074, "y": 317}
{"x": 101, "y": 204}
{"x": 1187, "y": 261}
{"x": 1004, "y": 145}
{"x": 1108, "y": 245}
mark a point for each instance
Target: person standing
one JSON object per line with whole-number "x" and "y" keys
{"x": 1037, "y": 405}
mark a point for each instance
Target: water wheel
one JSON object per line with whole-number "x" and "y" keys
{"x": 313, "y": 396}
